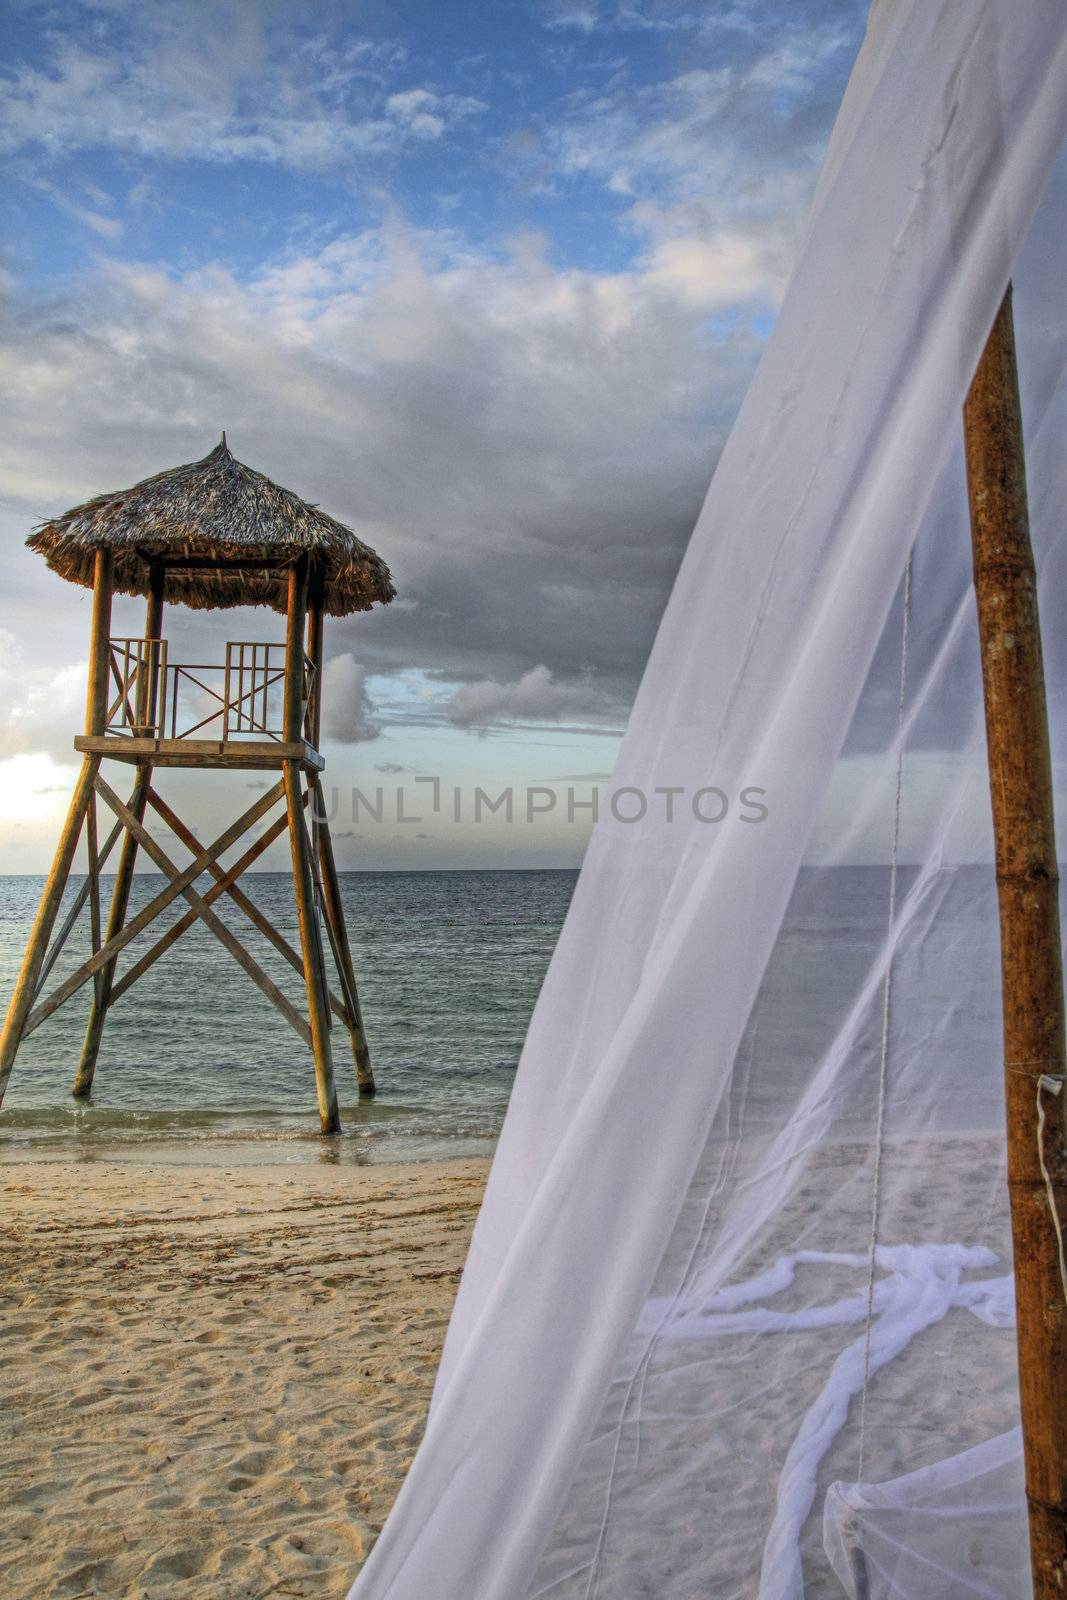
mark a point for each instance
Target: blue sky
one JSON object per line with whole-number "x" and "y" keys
{"x": 286, "y": 127}
{"x": 485, "y": 280}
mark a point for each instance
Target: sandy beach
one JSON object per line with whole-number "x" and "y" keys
{"x": 214, "y": 1378}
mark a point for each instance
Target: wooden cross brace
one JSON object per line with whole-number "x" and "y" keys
{"x": 318, "y": 899}
{"x": 180, "y": 881}
{"x": 225, "y": 883}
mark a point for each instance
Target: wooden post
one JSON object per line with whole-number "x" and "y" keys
{"x": 92, "y": 850}
{"x": 323, "y": 850}
{"x": 26, "y": 984}
{"x": 1020, "y": 776}
{"x": 77, "y": 906}
{"x": 120, "y": 894}
{"x": 120, "y": 899}
{"x": 100, "y": 645}
{"x": 316, "y": 621}
{"x": 95, "y": 722}
{"x": 295, "y": 618}
{"x": 148, "y": 685}
{"x": 307, "y": 916}
{"x": 331, "y": 894}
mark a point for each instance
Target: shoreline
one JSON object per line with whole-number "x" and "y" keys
{"x": 289, "y": 1151}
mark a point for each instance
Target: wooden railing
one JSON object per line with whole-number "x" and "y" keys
{"x": 138, "y": 669}
{"x": 241, "y": 698}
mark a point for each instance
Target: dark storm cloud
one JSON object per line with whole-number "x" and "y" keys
{"x": 528, "y": 447}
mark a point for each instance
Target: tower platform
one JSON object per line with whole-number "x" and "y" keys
{"x": 266, "y": 755}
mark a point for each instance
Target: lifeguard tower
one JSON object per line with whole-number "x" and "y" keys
{"x": 211, "y": 535}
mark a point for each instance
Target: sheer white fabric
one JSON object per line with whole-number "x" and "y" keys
{"x": 953, "y": 1531}
{"x": 745, "y": 1234}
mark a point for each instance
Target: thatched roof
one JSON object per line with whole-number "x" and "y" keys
{"x": 227, "y": 535}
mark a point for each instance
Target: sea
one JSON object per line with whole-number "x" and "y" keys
{"x": 196, "y": 1062}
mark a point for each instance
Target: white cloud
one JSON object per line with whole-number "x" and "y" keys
{"x": 259, "y": 94}
{"x": 575, "y": 14}
{"x": 713, "y": 273}
{"x": 536, "y": 696}
{"x": 707, "y": 21}
{"x": 94, "y": 217}
{"x": 426, "y": 115}
{"x": 347, "y": 712}
{"x": 32, "y": 786}
{"x": 417, "y": 109}
{"x": 721, "y": 154}
{"x": 42, "y": 708}
{"x": 110, "y": 228}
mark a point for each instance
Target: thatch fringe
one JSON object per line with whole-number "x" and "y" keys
{"x": 226, "y": 533}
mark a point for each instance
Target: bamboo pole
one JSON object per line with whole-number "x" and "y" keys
{"x": 26, "y": 984}
{"x": 1020, "y": 777}
{"x": 307, "y": 915}
{"x": 93, "y": 852}
{"x": 148, "y": 686}
{"x": 342, "y": 952}
{"x": 56, "y": 882}
{"x": 316, "y": 620}
{"x": 100, "y": 645}
{"x": 102, "y": 981}
{"x": 77, "y": 906}
{"x": 311, "y": 949}
{"x": 310, "y": 731}
{"x": 120, "y": 894}
{"x": 322, "y": 849}
{"x": 295, "y": 619}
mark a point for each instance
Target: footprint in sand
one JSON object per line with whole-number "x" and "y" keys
{"x": 257, "y": 1463}
{"x": 90, "y": 1578}
{"x": 92, "y": 1496}
{"x": 175, "y": 1561}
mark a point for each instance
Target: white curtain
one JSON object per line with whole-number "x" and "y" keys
{"x": 957, "y": 1527}
{"x": 746, "y": 1234}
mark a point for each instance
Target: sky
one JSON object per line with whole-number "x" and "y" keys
{"x": 487, "y": 281}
